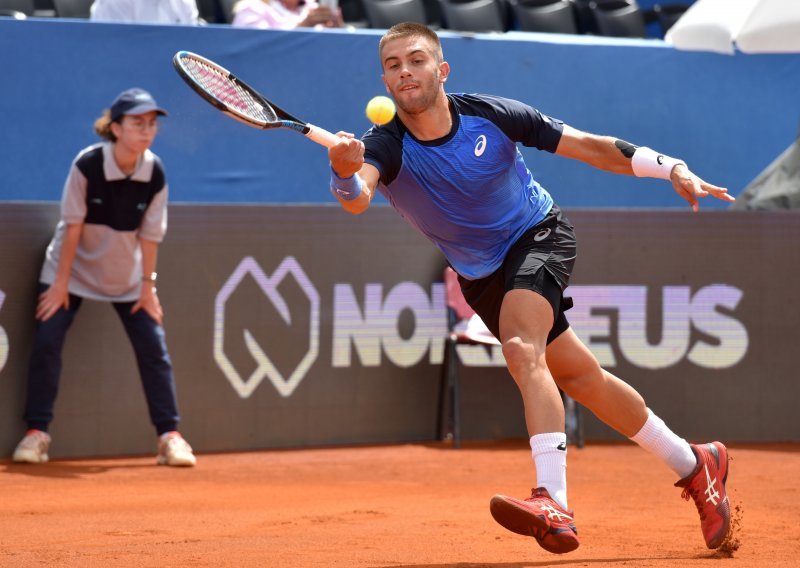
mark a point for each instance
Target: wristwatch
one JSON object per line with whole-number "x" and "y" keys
{"x": 152, "y": 277}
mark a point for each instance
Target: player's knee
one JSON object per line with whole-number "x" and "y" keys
{"x": 520, "y": 355}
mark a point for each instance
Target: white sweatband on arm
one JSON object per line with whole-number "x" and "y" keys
{"x": 646, "y": 162}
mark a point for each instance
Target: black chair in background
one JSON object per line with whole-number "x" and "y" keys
{"x": 227, "y": 10}
{"x": 584, "y": 15}
{"x": 13, "y": 8}
{"x": 618, "y": 18}
{"x": 474, "y": 15}
{"x": 668, "y": 14}
{"x": 552, "y": 16}
{"x": 383, "y": 14}
{"x": 353, "y": 13}
{"x": 210, "y": 11}
{"x": 44, "y": 9}
{"x": 72, "y": 8}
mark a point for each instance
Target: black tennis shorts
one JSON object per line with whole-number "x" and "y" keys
{"x": 542, "y": 261}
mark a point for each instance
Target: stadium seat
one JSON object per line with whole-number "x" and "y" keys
{"x": 353, "y": 13}
{"x": 383, "y": 14}
{"x": 227, "y": 10}
{"x": 584, "y": 16}
{"x": 9, "y": 7}
{"x": 551, "y": 16}
{"x": 668, "y": 14}
{"x": 72, "y": 8}
{"x": 210, "y": 11}
{"x": 467, "y": 328}
{"x": 474, "y": 15}
{"x": 618, "y": 18}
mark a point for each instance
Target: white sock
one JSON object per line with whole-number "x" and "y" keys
{"x": 550, "y": 456}
{"x": 658, "y": 439}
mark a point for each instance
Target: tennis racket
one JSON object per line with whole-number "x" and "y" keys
{"x": 240, "y": 101}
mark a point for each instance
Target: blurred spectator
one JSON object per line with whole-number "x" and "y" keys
{"x": 146, "y": 11}
{"x": 286, "y": 14}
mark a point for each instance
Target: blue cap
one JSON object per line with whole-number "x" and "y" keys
{"x": 134, "y": 101}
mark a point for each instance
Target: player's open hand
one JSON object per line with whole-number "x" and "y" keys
{"x": 52, "y": 300}
{"x": 691, "y": 188}
{"x": 149, "y": 302}
{"x": 347, "y": 156}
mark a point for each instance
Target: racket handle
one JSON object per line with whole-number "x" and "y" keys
{"x": 322, "y": 136}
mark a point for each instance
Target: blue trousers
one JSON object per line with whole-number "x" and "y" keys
{"x": 149, "y": 346}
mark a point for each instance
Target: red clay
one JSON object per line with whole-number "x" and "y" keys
{"x": 391, "y": 506}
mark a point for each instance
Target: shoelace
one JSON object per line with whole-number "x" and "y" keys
{"x": 689, "y": 492}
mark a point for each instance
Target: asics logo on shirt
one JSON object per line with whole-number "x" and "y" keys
{"x": 541, "y": 235}
{"x": 480, "y": 145}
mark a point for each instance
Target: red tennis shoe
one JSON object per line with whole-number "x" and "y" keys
{"x": 706, "y": 485}
{"x": 538, "y": 516}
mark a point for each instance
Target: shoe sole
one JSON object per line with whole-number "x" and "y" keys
{"x": 43, "y": 458}
{"x": 175, "y": 463}
{"x": 522, "y": 521}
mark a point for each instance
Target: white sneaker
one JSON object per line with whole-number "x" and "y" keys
{"x": 33, "y": 447}
{"x": 174, "y": 450}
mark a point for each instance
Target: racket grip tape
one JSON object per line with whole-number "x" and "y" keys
{"x": 321, "y": 136}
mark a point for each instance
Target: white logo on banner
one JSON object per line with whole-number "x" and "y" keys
{"x": 372, "y": 331}
{"x": 406, "y": 324}
{"x": 265, "y": 367}
{"x": 680, "y": 313}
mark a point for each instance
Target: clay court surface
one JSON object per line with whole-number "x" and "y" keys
{"x": 420, "y": 506}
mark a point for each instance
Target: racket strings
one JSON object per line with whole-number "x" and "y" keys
{"x": 227, "y": 91}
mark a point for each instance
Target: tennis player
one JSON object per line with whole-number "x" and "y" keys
{"x": 449, "y": 164}
{"x": 105, "y": 247}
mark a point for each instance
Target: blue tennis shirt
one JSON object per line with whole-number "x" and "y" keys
{"x": 470, "y": 191}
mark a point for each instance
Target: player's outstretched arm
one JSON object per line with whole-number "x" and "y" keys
{"x": 621, "y": 157}
{"x": 353, "y": 182}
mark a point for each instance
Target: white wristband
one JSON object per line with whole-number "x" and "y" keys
{"x": 649, "y": 163}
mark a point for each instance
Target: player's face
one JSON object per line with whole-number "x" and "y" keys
{"x": 412, "y": 73}
{"x": 137, "y": 131}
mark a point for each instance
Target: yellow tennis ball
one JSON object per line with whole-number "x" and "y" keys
{"x": 380, "y": 110}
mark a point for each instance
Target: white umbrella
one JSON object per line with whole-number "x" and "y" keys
{"x": 752, "y": 26}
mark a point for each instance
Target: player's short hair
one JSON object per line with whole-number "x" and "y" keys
{"x": 412, "y": 29}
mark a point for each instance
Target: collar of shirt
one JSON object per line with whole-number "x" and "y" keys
{"x": 144, "y": 168}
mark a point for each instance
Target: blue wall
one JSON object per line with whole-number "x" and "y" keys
{"x": 729, "y": 117}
